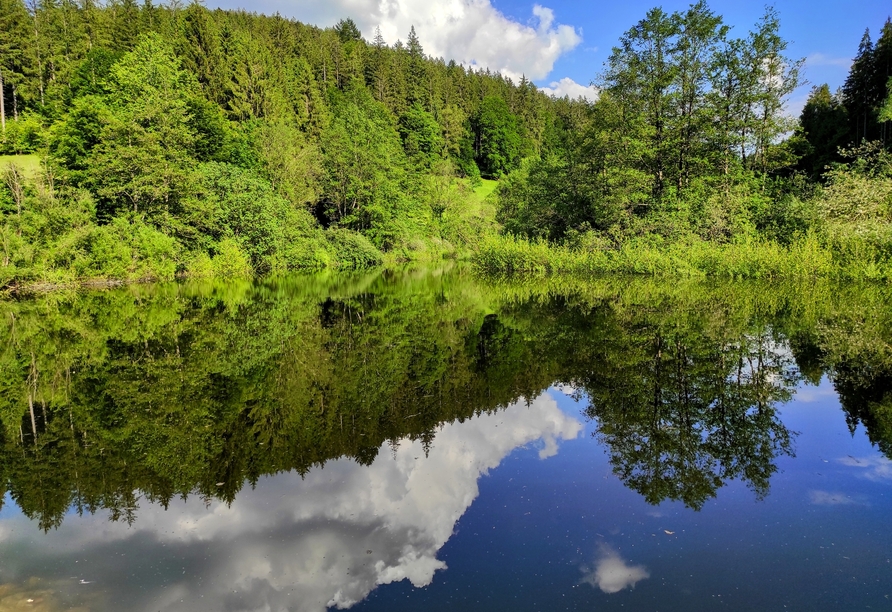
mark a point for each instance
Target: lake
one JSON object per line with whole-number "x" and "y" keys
{"x": 435, "y": 440}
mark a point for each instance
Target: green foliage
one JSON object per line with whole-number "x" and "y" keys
{"x": 221, "y": 128}
{"x": 347, "y": 30}
{"x": 24, "y": 135}
{"x": 365, "y": 165}
{"x": 824, "y": 125}
{"x": 132, "y": 250}
{"x": 142, "y": 160}
{"x": 838, "y": 255}
{"x": 352, "y": 250}
{"x": 862, "y": 191}
{"x": 290, "y": 161}
{"x": 496, "y": 137}
{"x": 886, "y": 110}
{"x": 231, "y": 260}
{"x": 421, "y": 136}
{"x": 92, "y": 75}
{"x": 239, "y": 206}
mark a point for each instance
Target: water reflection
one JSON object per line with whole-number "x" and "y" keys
{"x": 118, "y": 404}
{"x": 612, "y": 574}
{"x": 685, "y": 412}
{"x": 114, "y": 399}
{"x": 329, "y": 538}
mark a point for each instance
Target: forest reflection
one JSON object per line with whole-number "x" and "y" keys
{"x": 152, "y": 392}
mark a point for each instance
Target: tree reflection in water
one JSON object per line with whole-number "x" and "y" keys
{"x": 181, "y": 390}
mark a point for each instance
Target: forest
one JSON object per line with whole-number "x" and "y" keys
{"x": 145, "y": 142}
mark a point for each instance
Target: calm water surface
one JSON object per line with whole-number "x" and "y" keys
{"x": 435, "y": 441}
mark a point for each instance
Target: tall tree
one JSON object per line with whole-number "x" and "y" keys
{"x": 640, "y": 76}
{"x": 143, "y": 159}
{"x": 416, "y": 76}
{"x": 15, "y": 54}
{"x": 882, "y": 72}
{"x": 825, "y": 128}
{"x": 856, "y": 91}
{"x": 497, "y": 138}
{"x": 348, "y": 30}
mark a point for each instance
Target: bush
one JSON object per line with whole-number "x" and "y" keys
{"x": 132, "y": 250}
{"x": 25, "y": 135}
{"x": 352, "y": 250}
{"x": 231, "y": 260}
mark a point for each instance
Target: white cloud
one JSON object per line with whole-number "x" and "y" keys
{"x": 471, "y": 32}
{"x": 612, "y": 574}
{"x": 302, "y": 544}
{"x": 820, "y": 59}
{"x": 569, "y": 87}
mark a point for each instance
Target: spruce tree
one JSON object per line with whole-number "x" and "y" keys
{"x": 881, "y": 73}
{"x": 416, "y": 76}
{"x": 856, "y": 91}
{"x": 825, "y": 127}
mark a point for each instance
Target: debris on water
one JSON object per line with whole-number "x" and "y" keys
{"x": 669, "y": 532}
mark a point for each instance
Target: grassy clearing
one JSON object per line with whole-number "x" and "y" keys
{"x": 485, "y": 188}
{"x": 29, "y": 164}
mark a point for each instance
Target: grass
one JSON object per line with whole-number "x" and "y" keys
{"x": 485, "y": 188}
{"x": 811, "y": 256}
{"x": 29, "y": 164}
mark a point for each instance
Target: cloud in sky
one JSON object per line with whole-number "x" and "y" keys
{"x": 569, "y": 87}
{"x": 302, "y": 544}
{"x": 471, "y": 32}
{"x": 822, "y": 59}
{"x": 612, "y": 574}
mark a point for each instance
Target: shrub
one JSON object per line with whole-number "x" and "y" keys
{"x": 352, "y": 250}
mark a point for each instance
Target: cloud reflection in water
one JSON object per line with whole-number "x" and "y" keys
{"x": 612, "y": 574}
{"x": 307, "y": 544}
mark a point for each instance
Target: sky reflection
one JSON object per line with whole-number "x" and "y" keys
{"x": 297, "y": 544}
{"x": 612, "y": 574}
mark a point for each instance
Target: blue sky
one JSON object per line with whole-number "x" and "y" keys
{"x": 562, "y": 44}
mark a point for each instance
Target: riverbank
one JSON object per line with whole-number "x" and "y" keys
{"x": 863, "y": 256}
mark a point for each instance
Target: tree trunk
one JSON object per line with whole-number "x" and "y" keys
{"x": 2, "y": 105}
{"x": 33, "y": 420}
{"x": 35, "y": 10}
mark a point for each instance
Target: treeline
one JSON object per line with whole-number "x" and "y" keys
{"x": 860, "y": 111}
{"x": 183, "y": 141}
{"x": 689, "y": 150}
{"x": 221, "y": 142}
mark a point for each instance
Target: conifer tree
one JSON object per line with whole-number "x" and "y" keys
{"x": 825, "y": 128}
{"x": 856, "y": 91}
{"x": 416, "y": 76}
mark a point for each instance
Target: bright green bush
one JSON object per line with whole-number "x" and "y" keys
{"x": 352, "y": 250}
{"x": 231, "y": 260}
{"x": 132, "y": 250}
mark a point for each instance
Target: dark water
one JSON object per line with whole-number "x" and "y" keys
{"x": 435, "y": 441}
